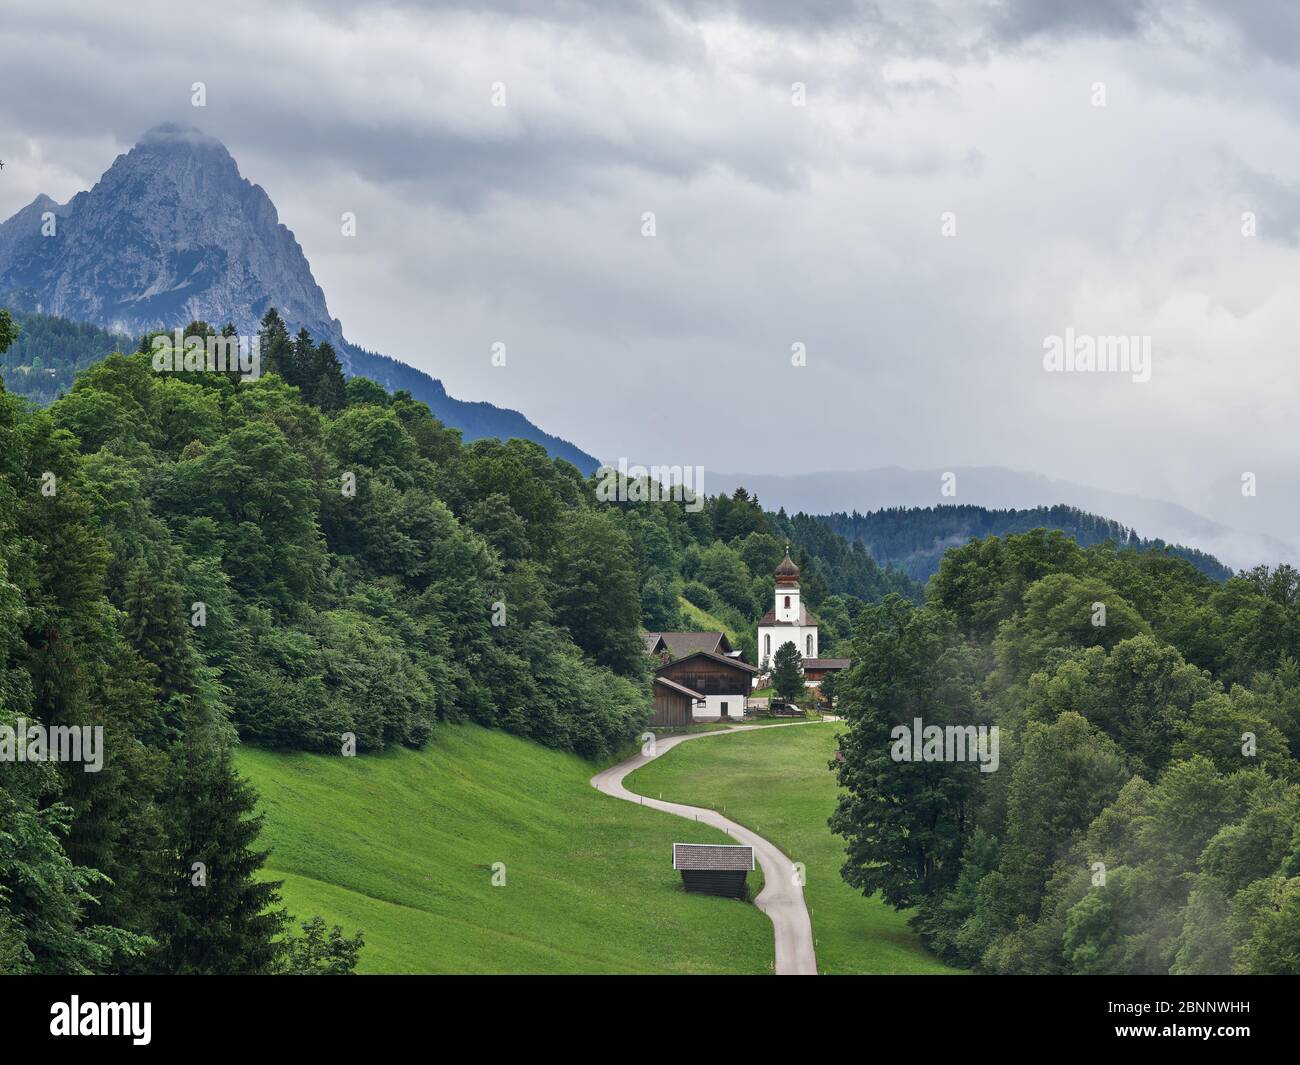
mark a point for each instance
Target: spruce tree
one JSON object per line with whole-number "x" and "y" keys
{"x": 331, "y": 390}
{"x": 304, "y": 372}
{"x": 276, "y": 347}
{"x": 787, "y": 672}
{"x": 214, "y": 915}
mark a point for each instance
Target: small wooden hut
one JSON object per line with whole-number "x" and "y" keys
{"x": 714, "y": 868}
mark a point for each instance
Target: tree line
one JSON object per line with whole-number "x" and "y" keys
{"x": 914, "y": 539}
{"x": 1145, "y": 813}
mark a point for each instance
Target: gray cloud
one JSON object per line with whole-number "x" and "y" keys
{"x": 1020, "y": 19}
{"x": 776, "y": 224}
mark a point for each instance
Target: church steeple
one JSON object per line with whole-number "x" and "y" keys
{"x": 786, "y": 571}
{"x": 788, "y": 621}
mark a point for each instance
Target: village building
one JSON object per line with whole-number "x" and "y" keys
{"x": 789, "y": 621}
{"x": 714, "y": 868}
{"x": 674, "y": 704}
{"x": 722, "y": 683}
{"x": 666, "y": 645}
{"x": 816, "y": 669}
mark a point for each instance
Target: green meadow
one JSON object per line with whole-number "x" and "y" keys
{"x": 777, "y": 782}
{"x": 402, "y": 845}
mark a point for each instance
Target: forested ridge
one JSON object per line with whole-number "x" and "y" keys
{"x": 1144, "y": 816}
{"x": 49, "y": 353}
{"x": 914, "y": 539}
{"x": 299, "y": 562}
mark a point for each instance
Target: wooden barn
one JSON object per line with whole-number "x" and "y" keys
{"x": 815, "y": 669}
{"x": 723, "y": 683}
{"x": 714, "y": 868}
{"x": 673, "y": 703}
{"x": 666, "y": 645}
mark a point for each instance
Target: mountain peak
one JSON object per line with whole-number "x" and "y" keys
{"x": 178, "y": 134}
{"x": 172, "y": 232}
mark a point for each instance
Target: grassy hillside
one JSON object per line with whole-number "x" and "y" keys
{"x": 402, "y": 845}
{"x": 700, "y": 620}
{"x": 776, "y": 781}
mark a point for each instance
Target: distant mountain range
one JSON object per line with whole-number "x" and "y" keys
{"x": 171, "y": 233}
{"x": 998, "y": 488}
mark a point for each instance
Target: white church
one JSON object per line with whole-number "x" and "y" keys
{"x": 789, "y": 621}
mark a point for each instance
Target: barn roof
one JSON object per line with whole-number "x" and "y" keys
{"x": 735, "y": 662}
{"x": 685, "y": 643}
{"x": 681, "y": 689}
{"x": 713, "y": 857}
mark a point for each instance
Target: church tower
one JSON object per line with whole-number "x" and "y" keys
{"x": 787, "y": 590}
{"x": 789, "y": 621}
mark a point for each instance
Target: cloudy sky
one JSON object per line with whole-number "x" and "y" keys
{"x": 1095, "y": 160}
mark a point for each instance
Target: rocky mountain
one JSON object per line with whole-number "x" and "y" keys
{"x": 172, "y": 232}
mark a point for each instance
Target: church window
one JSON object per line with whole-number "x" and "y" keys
{"x": 810, "y": 646}
{"x": 787, "y": 602}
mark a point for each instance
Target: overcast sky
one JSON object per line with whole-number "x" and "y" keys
{"x": 776, "y": 224}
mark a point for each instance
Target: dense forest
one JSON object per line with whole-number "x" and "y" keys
{"x": 1143, "y": 815}
{"x": 914, "y": 539}
{"x": 49, "y": 353}
{"x": 188, "y": 560}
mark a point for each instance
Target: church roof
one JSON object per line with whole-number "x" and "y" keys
{"x": 806, "y": 617}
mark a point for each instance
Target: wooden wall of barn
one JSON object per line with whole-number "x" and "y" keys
{"x": 708, "y": 676}
{"x": 670, "y": 707}
{"x": 726, "y": 882}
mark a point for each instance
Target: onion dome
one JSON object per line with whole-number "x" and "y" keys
{"x": 787, "y": 572}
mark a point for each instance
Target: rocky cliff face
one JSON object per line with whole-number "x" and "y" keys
{"x": 170, "y": 233}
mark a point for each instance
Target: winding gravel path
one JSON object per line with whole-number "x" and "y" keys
{"x": 782, "y": 896}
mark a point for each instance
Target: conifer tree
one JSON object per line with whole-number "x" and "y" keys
{"x": 214, "y": 915}
{"x": 330, "y": 390}
{"x": 304, "y": 372}
{"x": 276, "y": 347}
{"x": 787, "y": 672}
